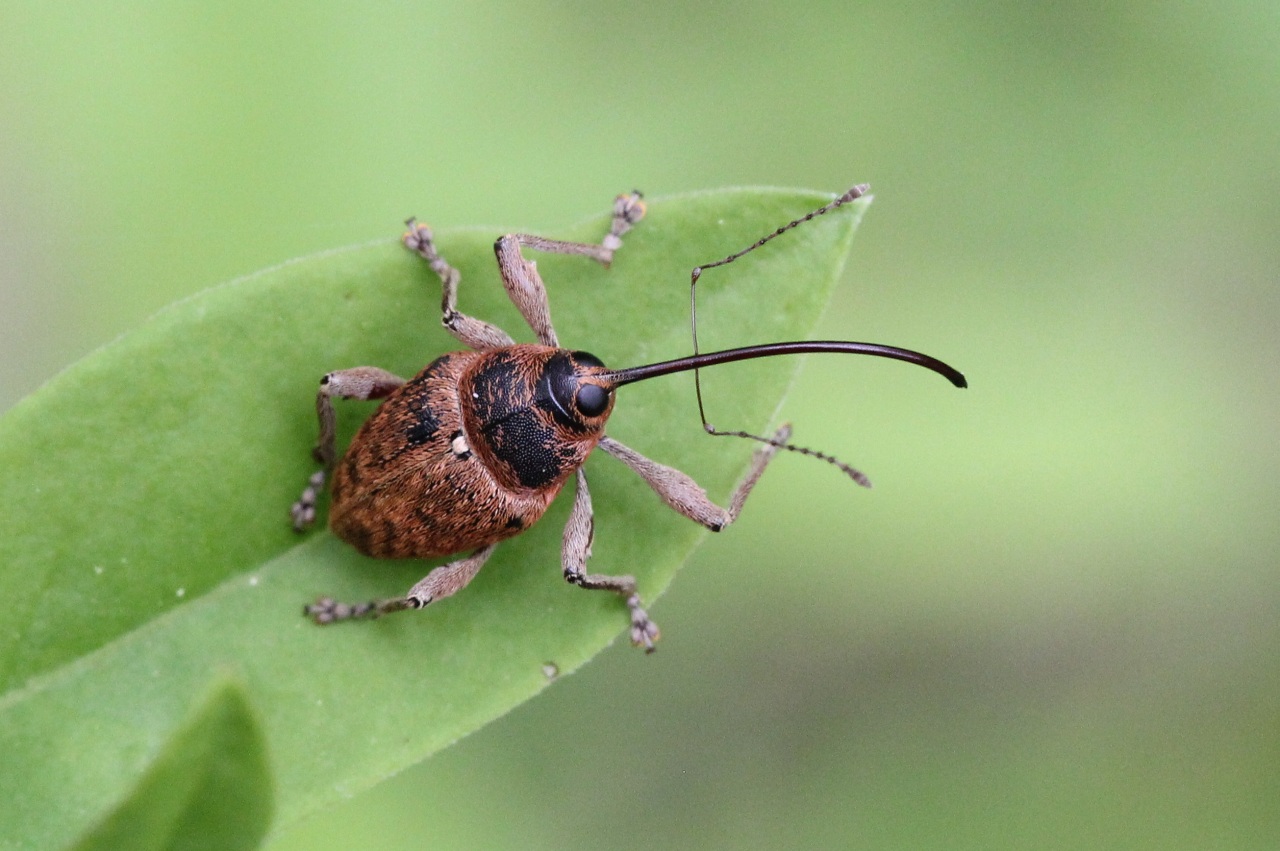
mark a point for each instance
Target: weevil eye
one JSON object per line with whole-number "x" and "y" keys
{"x": 591, "y": 400}
{"x": 576, "y": 404}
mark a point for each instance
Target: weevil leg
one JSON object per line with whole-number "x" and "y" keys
{"x": 361, "y": 382}
{"x": 686, "y": 496}
{"x": 471, "y": 332}
{"x": 578, "y": 534}
{"x": 520, "y": 276}
{"x": 443, "y": 581}
{"x": 627, "y": 210}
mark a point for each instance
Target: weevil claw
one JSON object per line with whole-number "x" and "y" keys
{"x": 644, "y": 632}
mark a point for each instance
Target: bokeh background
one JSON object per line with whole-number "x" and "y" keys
{"x": 1055, "y": 623}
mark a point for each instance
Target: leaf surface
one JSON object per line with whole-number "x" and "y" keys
{"x": 209, "y": 788}
{"x": 145, "y": 548}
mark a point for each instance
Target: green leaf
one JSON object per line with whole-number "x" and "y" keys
{"x": 145, "y": 544}
{"x": 209, "y": 788}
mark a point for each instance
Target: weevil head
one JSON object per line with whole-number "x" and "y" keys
{"x": 534, "y": 413}
{"x": 579, "y": 396}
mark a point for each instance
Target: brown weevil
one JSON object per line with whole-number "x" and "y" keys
{"x": 473, "y": 449}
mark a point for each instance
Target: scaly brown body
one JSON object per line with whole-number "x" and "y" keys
{"x": 466, "y": 454}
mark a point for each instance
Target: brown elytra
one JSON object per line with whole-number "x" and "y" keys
{"x": 409, "y": 486}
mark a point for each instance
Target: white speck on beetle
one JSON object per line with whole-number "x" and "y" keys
{"x": 253, "y": 581}
{"x": 181, "y": 592}
{"x": 97, "y": 568}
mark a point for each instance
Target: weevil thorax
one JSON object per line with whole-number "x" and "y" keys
{"x": 534, "y": 413}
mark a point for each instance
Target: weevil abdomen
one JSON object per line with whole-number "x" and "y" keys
{"x": 469, "y": 452}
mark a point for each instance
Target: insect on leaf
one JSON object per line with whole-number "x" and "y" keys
{"x": 145, "y": 544}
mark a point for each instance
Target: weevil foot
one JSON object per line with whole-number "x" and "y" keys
{"x": 303, "y": 511}
{"x": 326, "y": 610}
{"x": 303, "y": 514}
{"x": 418, "y": 238}
{"x": 627, "y": 210}
{"x": 644, "y": 632}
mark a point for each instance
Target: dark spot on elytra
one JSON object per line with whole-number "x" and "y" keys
{"x": 423, "y": 422}
{"x": 352, "y": 470}
{"x": 390, "y": 531}
{"x": 423, "y": 427}
{"x": 359, "y": 537}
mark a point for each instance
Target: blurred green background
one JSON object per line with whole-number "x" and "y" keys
{"x": 1053, "y": 624}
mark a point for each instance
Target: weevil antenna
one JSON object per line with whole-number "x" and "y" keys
{"x": 855, "y": 192}
{"x": 698, "y": 360}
